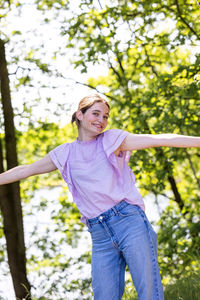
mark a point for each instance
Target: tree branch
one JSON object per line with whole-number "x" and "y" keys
{"x": 192, "y": 167}
{"x": 120, "y": 63}
{"x": 91, "y": 87}
{"x": 24, "y": 69}
{"x": 149, "y": 62}
{"x": 100, "y": 4}
{"x": 115, "y": 72}
{"x": 191, "y": 164}
{"x": 177, "y": 195}
{"x": 184, "y": 21}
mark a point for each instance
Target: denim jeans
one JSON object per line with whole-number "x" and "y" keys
{"x": 123, "y": 236}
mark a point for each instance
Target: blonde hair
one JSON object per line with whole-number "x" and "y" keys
{"x": 86, "y": 103}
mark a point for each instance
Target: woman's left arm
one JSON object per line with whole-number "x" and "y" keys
{"x": 143, "y": 141}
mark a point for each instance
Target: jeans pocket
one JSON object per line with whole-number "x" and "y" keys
{"x": 129, "y": 210}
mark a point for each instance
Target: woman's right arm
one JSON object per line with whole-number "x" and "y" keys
{"x": 44, "y": 165}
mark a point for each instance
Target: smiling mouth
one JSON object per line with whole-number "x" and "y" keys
{"x": 97, "y": 126}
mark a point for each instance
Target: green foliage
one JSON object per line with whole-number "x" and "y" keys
{"x": 130, "y": 291}
{"x": 179, "y": 240}
{"x": 54, "y": 266}
{"x": 33, "y": 145}
{"x": 152, "y": 82}
{"x": 186, "y": 288}
{"x": 49, "y": 4}
{"x": 68, "y": 218}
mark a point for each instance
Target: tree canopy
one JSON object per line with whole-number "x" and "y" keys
{"x": 151, "y": 52}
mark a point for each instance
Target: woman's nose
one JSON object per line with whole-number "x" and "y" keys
{"x": 100, "y": 119}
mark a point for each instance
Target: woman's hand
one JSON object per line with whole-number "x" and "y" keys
{"x": 44, "y": 165}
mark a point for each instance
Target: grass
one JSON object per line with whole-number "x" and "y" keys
{"x": 186, "y": 288}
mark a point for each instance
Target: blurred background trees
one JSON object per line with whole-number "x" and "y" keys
{"x": 151, "y": 51}
{"x": 149, "y": 59}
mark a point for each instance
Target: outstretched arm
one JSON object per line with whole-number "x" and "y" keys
{"x": 44, "y": 165}
{"x": 143, "y": 141}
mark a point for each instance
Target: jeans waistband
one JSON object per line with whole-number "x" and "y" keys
{"x": 109, "y": 213}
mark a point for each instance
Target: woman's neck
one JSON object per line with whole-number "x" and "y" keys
{"x": 85, "y": 137}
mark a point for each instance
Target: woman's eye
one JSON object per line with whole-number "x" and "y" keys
{"x": 97, "y": 114}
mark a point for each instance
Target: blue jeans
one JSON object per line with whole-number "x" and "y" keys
{"x": 123, "y": 236}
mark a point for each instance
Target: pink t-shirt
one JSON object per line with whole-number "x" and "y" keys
{"x": 96, "y": 177}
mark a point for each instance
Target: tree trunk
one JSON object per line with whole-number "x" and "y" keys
{"x": 10, "y": 202}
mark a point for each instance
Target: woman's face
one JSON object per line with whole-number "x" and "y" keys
{"x": 95, "y": 119}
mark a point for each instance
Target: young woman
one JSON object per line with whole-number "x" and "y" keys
{"x": 95, "y": 167}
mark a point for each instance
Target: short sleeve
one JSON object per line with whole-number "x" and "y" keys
{"x": 112, "y": 139}
{"x": 59, "y": 156}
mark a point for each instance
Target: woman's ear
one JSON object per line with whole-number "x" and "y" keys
{"x": 79, "y": 115}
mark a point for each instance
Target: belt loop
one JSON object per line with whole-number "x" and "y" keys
{"x": 115, "y": 211}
